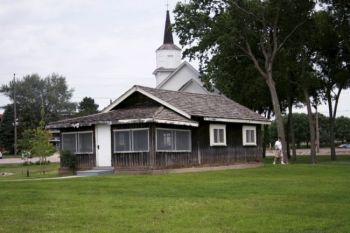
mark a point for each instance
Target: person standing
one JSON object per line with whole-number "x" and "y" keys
{"x": 278, "y": 151}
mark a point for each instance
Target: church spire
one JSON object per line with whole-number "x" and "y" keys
{"x": 168, "y": 35}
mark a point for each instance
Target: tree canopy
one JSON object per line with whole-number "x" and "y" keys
{"x": 87, "y": 106}
{"x": 32, "y": 90}
{"x": 222, "y": 34}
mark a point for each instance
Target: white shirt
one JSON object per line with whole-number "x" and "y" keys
{"x": 278, "y": 145}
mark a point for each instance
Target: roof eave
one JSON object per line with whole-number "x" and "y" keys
{"x": 246, "y": 121}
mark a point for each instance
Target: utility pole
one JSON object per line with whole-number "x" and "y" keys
{"x": 15, "y": 113}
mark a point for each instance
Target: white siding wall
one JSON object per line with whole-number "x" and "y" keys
{"x": 179, "y": 79}
{"x": 160, "y": 76}
{"x": 195, "y": 88}
{"x": 168, "y": 58}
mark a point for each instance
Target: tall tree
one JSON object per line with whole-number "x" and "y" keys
{"x": 87, "y": 106}
{"x": 254, "y": 29}
{"x": 332, "y": 57}
{"x": 32, "y": 90}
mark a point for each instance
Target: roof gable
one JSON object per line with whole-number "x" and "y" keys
{"x": 183, "y": 65}
{"x": 193, "y": 86}
{"x": 149, "y": 95}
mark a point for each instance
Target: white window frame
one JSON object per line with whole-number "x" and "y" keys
{"x": 212, "y": 127}
{"x": 244, "y": 135}
{"x": 173, "y": 132}
{"x": 77, "y": 141}
{"x": 131, "y": 140}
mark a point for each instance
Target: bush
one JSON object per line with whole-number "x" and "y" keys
{"x": 68, "y": 159}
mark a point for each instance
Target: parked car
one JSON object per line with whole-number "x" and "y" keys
{"x": 346, "y": 146}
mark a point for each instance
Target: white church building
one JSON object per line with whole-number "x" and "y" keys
{"x": 171, "y": 72}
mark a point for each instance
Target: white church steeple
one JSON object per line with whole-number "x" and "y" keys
{"x": 168, "y": 55}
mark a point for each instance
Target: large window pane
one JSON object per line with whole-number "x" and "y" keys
{"x": 85, "y": 142}
{"x": 183, "y": 139}
{"x": 173, "y": 140}
{"x": 69, "y": 142}
{"x": 122, "y": 141}
{"x": 164, "y": 139}
{"x": 140, "y": 140}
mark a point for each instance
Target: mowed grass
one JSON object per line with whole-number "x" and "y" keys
{"x": 295, "y": 198}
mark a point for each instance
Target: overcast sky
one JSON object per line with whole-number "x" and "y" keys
{"x": 102, "y": 47}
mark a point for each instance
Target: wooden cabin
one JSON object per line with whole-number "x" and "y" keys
{"x": 147, "y": 129}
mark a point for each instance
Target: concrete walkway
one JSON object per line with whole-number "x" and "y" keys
{"x": 55, "y": 158}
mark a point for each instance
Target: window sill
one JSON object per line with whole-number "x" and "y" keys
{"x": 222, "y": 144}
{"x": 249, "y": 144}
{"x": 129, "y": 152}
{"x": 177, "y": 151}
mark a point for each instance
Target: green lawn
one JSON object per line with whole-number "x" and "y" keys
{"x": 295, "y": 198}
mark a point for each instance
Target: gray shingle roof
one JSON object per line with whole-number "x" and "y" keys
{"x": 191, "y": 105}
{"x": 137, "y": 114}
{"x": 202, "y": 105}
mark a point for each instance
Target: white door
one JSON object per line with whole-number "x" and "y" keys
{"x": 103, "y": 146}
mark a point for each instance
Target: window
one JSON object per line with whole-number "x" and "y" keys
{"x": 217, "y": 135}
{"x": 131, "y": 140}
{"x": 84, "y": 143}
{"x": 69, "y": 142}
{"x": 249, "y": 135}
{"x": 78, "y": 142}
{"x": 164, "y": 139}
{"x": 173, "y": 140}
{"x": 122, "y": 141}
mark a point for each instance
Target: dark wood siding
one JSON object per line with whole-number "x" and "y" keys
{"x": 137, "y": 100}
{"x": 234, "y": 152}
{"x": 205, "y": 155}
{"x": 202, "y": 154}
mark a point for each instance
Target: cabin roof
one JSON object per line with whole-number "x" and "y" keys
{"x": 157, "y": 114}
{"x": 203, "y": 105}
{"x": 174, "y": 108}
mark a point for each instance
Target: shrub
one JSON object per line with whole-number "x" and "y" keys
{"x": 68, "y": 159}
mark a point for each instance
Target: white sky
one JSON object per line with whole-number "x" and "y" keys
{"x": 102, "y": 47}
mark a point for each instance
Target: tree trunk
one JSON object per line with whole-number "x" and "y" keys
{"x": 317, "y": 132}
{"x": 288, "y": 135}
{"x": 311, "y": 126}
{"x": 278, "y": 114}
{"x": 291, "y": 132}
{"x": 331, "y": 125}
